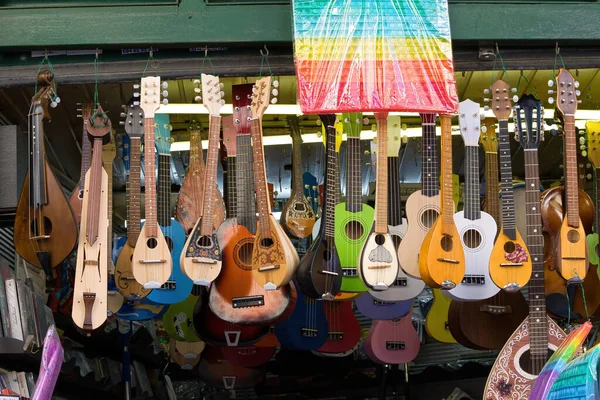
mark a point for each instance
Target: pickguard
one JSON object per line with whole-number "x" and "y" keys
{"x": 194, "y": 251}
{"x": 380, "y": 255}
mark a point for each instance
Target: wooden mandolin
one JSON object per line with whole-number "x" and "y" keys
{"x": 76, "y": 198}
{"x": 45, "y": 229}
{"x": 90, "y": 294}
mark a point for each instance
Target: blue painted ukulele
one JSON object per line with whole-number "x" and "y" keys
{"x": 179, "y": 286}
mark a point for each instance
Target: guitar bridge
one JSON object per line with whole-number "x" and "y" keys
{"x": 41, "y": 237}
{"x": 248, "y": 301}
{"x": 336, "y": 335}
{"x": 448, "y": 260}
{"x": 495, "y": 310}
{"x": 474, "y": 280}
{"x": 381, "y": 303}
{"x": 350, "y": 272}
{"x": 169, "y": 285}
{"x": 400, "y": 282}
{"x": 325, "y": 272}
{"x": 153, "y": 261}
{"x": 207, "y": 261}
{"x": 511, "y": 264}
{"x": 379, "y": 266}
{"x": 88, "y": 300}
{"x": 394, "y": 345}
{"x": 268, "y": 268}
{"x": 309, "y": 333}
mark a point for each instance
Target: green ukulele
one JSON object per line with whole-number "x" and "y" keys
{"x": 353, "y": 219}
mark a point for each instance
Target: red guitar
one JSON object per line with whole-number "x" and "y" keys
{"x": 218, "y": 372}
{"x": 344, "y": 329}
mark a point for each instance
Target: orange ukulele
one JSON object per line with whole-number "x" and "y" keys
{"x": 76, "y": 198}
{"x": 442, "y": 258}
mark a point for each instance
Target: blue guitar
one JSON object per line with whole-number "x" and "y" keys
{"x": 374, "y": 308}
{"x": 179, "y": 286}
{"x": 306, "y": 328}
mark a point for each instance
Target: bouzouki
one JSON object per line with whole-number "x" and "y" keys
{"x": 423, "y": 206}
{"x": 319, "y": 273}
{"x": 201, "y": 259}
{"x": 592, "y": 129}
{"x": 477, "y": 229}
{"x": 510, "y": 264}
{"x": 274, "y": 259}
{"x": 235, "y": 296}
{"x": 76, "y": 198}
{"x": 297, "y": 216}
{"x": 90, "y": 293}
{"x": 442, "y": 258}
{"x": 125, "y": 282}
{"x": 151, "y": 262}
{"x": 179, "y": 286}
{"x": 526, "y": 352}
{"x": 45, "y": 229}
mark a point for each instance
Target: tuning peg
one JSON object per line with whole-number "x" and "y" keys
{"x": 275, "y": 83}
{"x": 482, "y": 116}
{"x": 221, "y": 94}
{"x": 577, "y": 93}
{"x": 196, "y": 81}
{"x": 486, "y": 91}
{"x": 319, "y": 122}
{"x": 517, "y": 137}
{"x": 578, "y": 101}
{"x": 365, "y": 121}
{"x": 53, "y": 104}
{"x": 57, "y": 100}
{"x": 165, "y": 84}
{"x": 513, "y": 90}
{"x": 274, "y": 100}
{"x": 136, "y": 103}
{"x": 123, "y": 115}
{"x": 122, "y": 123}
{"x": 374, "y": 139}
{"x": 550, "y": 83}
{"x": 515, "y": 98}
{"x": 79, "y": 116}
{"x": 551, "y": 100}
{"x": 584, "y": 153}
{"x": 165, "y": 93}
{"x": 165, "y": 102}
{"x": 551, "y": 92}
{"x": 196, "y": 90}
{"x": 136, "y": 86}
{"x": 136, "y": 94}
{"x": 319, "y": 133}
{"x": 222, "y": 102}
{"x": 588, "y": 176}
{"x": 486, "y": 99}
{"x": 483, "y": 129}
{"x": 275, "y": 92}
{"x": 576, "y": 84}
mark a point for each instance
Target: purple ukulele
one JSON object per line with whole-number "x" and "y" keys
{"x": 52, "y": 359}
{"x": 392, "y": 341}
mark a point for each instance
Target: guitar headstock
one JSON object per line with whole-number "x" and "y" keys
{"x": 353, "y": 123}
{"x": 328, "y": 121}
{"x": 212, "y": 95}
{"x": 566, "y": 93}
{"x": 339, "y": 132}
{"x": 500, "y": 99}
{"x": 150, "y": 96}
{"x": 133, "y": 120}
{"x": 162, "y": 134}
{"x": 294, "y": 123}
{"x": 46, "y": 94}
{"x": 394, "y": 136}
{"x": 261, "y": 97}
{"x": 99, "y": 125}
{"x": 229, "y": 136}
{"x": 528, "y": 120}
{"x": 86, "y": 111}
{"x": 242, "y": 99}
{"x": 592, "y": 129}
{"x": 469, "y": 120}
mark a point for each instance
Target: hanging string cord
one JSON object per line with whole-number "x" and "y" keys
{"x": 96, "y": 103}
{"x": 265, "y": 59}
{"x": 154, "y": 64}
{"x": 528, "y": 84}
{"x": 498, "y": 56}
{"x": 50, "y": 67}
{"x": 207, "y": 58}
{"x": 557, "y": 55}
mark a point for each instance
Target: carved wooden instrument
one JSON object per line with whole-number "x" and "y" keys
{"x": 393, "y": 341}
{"x": 235, "y": 295}
{"x": 90, "y": 291}
{"x": 274, "y": 259}
{"x": 298, "y": 216}
{"x": 510, "y": 264}
{"x": 45, "y": 229}
{"x": 201, "y": 258}
{"x": 152, "y": 263}
{"x": 124, "y": 279}
{"x": 76, "y": 198}
{"x": 592, "y": 129}
{"x": 477, "y": 229}
{"x": 442, "y": 258}
{"x": 526, "y": 352}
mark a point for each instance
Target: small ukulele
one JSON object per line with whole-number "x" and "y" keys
{"x": 442, "y": 258}
{"x": 593, "y": 239}
{"x": 437, "y": 320}
{"x": 297, "y": 217}
{"x": 393, "y": 341}
{"x": 76, "y": 198}
{"x": 152, "y": 263}
{"x": 202, "y": 259}
{"x": 90, "y": 289}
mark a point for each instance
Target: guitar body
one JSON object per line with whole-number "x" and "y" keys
{"x": 373, "y": 308}
{"x": 509, "y": 378}
{"x": 572, "y": 258}
{"x": 178, "y": 320}
{"x": 454, "y": 327}
{"x": 57, "y": 215}
{"x": 236, "y": 281}
{"x": 190, "y": 350}
{"x": 422, "y": 212}
{"x": 488, "y": 324}
{"x": 179, "y": 285}
{"x": 142, "y": 311}
{"x": 344, "y": 329}
{"x": 298, "y": 216}
{"x": 269, "y": 340}
{"x": 379, "y": 264}
{"x": 251, "y": 356}
{"x": 477, "y": 238}
{"x": 151, "y": 245}
{"x": 351, "y": 232}
{"x": 201, "y": 258}
{"x": 393, "y": 341}
{"x": 76, "y": 203}
{"x": 91, "y": 273}
{"x": 593, "y": 239}
{"x": 398, "y": 231}
{"x": 186, "y": 360}
{"x": 218, "y": 372}
{"x": 321, "y": 256}
{"x": 442, "y": 243}
{"x": 277, "y": 251}
{"x": 124, "y": 280}
{"x": 507, "y": 251}
{"x": 436, "y": 322}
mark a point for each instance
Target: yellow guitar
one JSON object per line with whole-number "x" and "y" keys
{"x": 436, "y": 322}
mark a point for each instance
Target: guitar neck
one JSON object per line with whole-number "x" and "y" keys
{"x": 37, "y": 175}
{"x": 472, "y": 209}
{"x": 246, "y": 207}
{"x": 210, "y": 180}
{"x": 298, "y": 187}
{"x": 134, "y": 196}
{"x": 353, "y": 175}
{"x": 508, "y": 203}
{"x": 571, "y": 176}
{"x": 447, "y": 202}
{"x": 492, "y": 204}
{"x": 381, "y": 193}
{"x": 164, "y": 190}
{"x": 151, "y": 223}
{"x": 260, "y": 178}
{"x": 85, "y": 155}
{"x": 430, "y": 185}
{"x": 93, "y": 210}
{"x": 196, "y": 157}
{"x": 331, "y": 179}
{"x": 394, "y": 211}
{"x": 108, "y": 167}
{"x": 231, "y": 187}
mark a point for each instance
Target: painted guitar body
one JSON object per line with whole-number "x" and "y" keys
{"x": 477, "y": 283}
{"x": 508, "y": 378}
{"x": 507, "y": 277}
{"x": 179, "y": 286}
{"x": 374, "y": 308}
{"x": 298, "y": 216}
{"x": 251, "y": 356}
{"x": 124, "y": 279}
{"x": 436, "y": 322}
{"x": 344, "y": 329}
{"x": 393, "y": 341}
{"x": 218, "y": 372}
{"x": 351, "y": 231}
{"x": 422, "y": 212}
{"x": 178, "y": 320}
{"x": 142, "y": 311}
{"x": 321, "y": 256}
{"x": 201, "y": 257}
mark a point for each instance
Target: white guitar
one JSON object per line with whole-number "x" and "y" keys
{"x": 477, "y": 228}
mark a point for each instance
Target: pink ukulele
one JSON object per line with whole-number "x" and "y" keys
{"x": 392, "y": 341}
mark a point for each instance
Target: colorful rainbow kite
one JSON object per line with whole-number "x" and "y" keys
{"x": 374, "y": 55}
{"x": 579, "y": 380}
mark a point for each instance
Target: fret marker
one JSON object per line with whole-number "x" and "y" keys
{"x": 537, "y": 309}
{"x": 537, "y": 320}
{"x": 536, "y": 275}
{"x": 535, "y": 231}
{"x": 535, "y": 259}
{"x": 537, "y": 296}
{"x": 533, "y": 208}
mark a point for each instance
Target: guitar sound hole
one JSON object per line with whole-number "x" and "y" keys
{"x": 573, "y": 236}
{"x": 379, "y": 239}
{"x": 327, "y": 255}
{"x": 47, "y": 227}
{"x": 266, "y": 242}
{"x": 299, "y": 207}
{"x": 80, "y": 195}
{"x": 245, "y": 253}
{"x": 525, "y": 363}
{"x": 472, "y": 239}
{"x": 169, "y": 243}
{"x": 429, "y": 217}
{"x": 204, "y": 241}
{"x": 509, "y": 247}
{"x": 151, "y": 243}
{"x": 446, "y": 243}
{"x": 354, "y": 230}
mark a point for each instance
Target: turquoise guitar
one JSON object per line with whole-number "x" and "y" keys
{"x": 353, "y": 219}
{"x": 179, "y": 286}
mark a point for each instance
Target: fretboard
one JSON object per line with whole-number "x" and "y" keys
{"x": 596, "y": 198}
{"x": 353, "y": 175}
{"x": 508, "y": 201}
{"x": 134, "y": 197}
{"x": 447, "y": 201}
{"x": 246, "y": 205}
{"x": 492, "y": 204}
{"x": 263, "y": 203}
{"x": 108, "y": 167}
{"x": 150, "y": 176}
{"x": 298, "y": 187}
{"x": 210, "y": 179}
{"x": 95, "y": 184}
{"x": 85, "y": 155}
{"x": 472, "y": 210}
{"x": 196, "y": 157}
{"x": 394, "y": 209}
{"x": 381, "y": 188}
{"x": 231, "y": 187}
{"x": 331, "y": 179}
{"x": 164, "y": 190}
{"x": 571, "y": 176}
{"x": 535, "y": 244}
{"x": 430, "y": 185}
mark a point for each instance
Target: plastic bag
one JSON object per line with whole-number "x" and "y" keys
{"x": 52, "y": 359}
{"x": 374, "y": 55}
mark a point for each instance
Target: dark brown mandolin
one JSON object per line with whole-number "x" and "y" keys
{"x": 45, "y": 230}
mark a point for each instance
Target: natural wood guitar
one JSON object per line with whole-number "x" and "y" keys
{"x": 76, "y": 198}
{"x": 298, "y": 216}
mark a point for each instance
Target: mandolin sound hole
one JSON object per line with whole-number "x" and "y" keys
{"x": 379, "y": 239}
{"x": 525, "y": 363}
{"x": 354, "y": 230}
{"x": 472, "y": 239}
{"x": 429, "y": 217}
{"x": 509, "y": 247}
{"x": 266, "y": 242}
{"x": 245, "y": 253}
{"x": 47, "y": 228}
{"x": 446, "y": 243}
{"x": 573, "y": 236}
{"x": 204, "y": 241}
{"x": 151, "y": 243}
{"x": 327, "y": 256}
{"x": 299, "y": 207}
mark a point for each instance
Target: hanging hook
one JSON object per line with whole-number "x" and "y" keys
{"x": 46, "y": 54}
{"x": 151, "y": 53}
{"x": 205, "y": 51}
{"x": 266, "y": 54}
{"x": 96, "y": 54}
{"x": 497, "y": 48}
{"x": 557, "y": 49}
{"x": 521, "y": 72}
